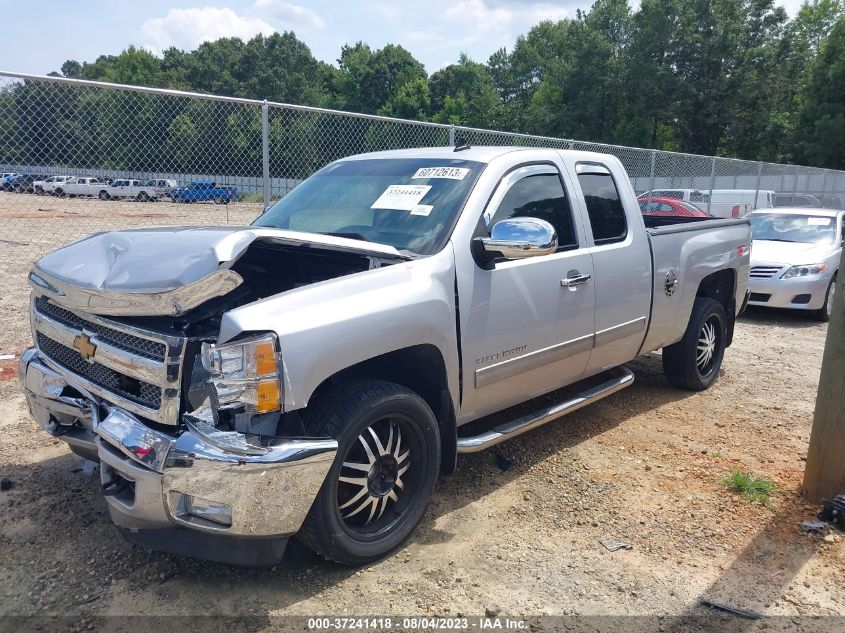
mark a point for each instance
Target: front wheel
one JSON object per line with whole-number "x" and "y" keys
{"x": 693, "y": 362}
{"x": 387, "y": 464}
{"x": 824, "y": 313}
{"x": 143, "y": 197}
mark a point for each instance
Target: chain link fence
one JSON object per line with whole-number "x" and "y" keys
{"x": 86, "y": 157}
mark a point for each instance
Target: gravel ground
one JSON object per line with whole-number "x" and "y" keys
{"x": 644, "y": 466}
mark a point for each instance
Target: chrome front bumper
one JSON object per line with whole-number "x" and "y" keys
{"x": 781, "y": 293}
{"x": 153, "y": 479}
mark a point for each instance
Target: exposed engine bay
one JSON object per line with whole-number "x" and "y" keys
{"x": 267, "y": 269}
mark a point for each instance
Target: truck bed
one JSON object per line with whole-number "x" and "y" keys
{"x": 688, "y": 249}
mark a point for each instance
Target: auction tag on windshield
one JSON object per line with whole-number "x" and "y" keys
{"x": 452, "y": 173}
{"x": 422, "y": 209}
{"x": 818, "y": 221}
{"x": 401, "y": 197}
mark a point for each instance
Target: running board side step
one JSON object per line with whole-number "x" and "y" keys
{"x": 619, "y": 378}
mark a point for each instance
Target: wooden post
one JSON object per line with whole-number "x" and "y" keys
{"x": 824, "y": 474}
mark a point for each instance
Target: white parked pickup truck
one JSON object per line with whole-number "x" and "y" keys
{"x": 82, "y": 187}
{"x": 314, "y": 373}
{"x": 122, "y": 188}
{"x": 143, "y": 192}
{"x": 48, "y": 186}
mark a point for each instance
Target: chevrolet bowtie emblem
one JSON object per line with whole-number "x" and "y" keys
{"x": 84, "y": 346}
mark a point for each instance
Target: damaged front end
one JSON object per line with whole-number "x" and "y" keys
{"x": 197, "y": 453}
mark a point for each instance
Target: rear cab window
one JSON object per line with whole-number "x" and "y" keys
{"x": 603, "y": 202}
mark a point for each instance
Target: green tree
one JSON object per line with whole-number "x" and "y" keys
{"x": 464, "y": 93}
{"x": 822, "y": 116}
{"x": 373, "y": 78}
{"x": 72, "y": 68}
{"x": 412, "y": 101}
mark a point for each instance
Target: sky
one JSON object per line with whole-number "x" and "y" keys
{"x": 435, "y": 31}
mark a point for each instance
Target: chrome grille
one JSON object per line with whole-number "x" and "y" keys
{"x": 764, "y": 272}
{"x": 135, "y": 369}
{"x": 127, "y": 387}
{"x": 134, "y": 344}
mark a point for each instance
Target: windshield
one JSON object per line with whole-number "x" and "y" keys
{"x": 784, "y": 227}
{"x": 409, "y": 203}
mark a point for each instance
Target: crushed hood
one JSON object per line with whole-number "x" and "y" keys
{"x": 164, "y": 271}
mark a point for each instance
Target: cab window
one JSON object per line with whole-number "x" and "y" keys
{"x": 540, "y": 196}
{"x": 604, "y": 205}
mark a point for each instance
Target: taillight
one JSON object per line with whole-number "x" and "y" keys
{"x": 735, "y": 211}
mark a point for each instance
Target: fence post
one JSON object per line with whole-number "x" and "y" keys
{"x": 712, "y": 183}
{"x": 451, "y": 135}
{"x": 651, "y": 175}
{"x": 824, "y": 186}
{"x": 759, "y": 177}
{"x": 265, "y": 151}
{"x": 794, "y": 185}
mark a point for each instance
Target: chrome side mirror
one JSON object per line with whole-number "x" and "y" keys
{"x": 517, "y": 238}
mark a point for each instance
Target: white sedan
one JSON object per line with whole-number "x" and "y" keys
{"x": 795, "y": 257}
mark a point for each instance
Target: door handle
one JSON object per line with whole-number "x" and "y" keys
{"x": 575, "y": 280}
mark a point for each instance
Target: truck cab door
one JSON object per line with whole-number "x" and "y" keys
{"x": 527, "y": 324}
{"x": 622, "y": 263}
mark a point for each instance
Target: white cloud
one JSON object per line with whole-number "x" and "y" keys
{"x": 188, "y": 28}
{"x": 387, "y": 11}
{"x": 290, "y": 14}
{"x": 478, "y": 15}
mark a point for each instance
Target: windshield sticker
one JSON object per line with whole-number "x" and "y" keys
{"x": 422, "y": 209}
{"x": 401, "y": 197}
{"x": 818, "y": 221}
{"x": 452, "y": 173}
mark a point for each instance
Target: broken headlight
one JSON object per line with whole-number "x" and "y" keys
{"x": 245, "y": 373}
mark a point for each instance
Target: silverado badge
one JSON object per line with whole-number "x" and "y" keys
{"x": 84, "y": 346}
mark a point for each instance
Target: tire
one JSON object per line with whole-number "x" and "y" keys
{"x": 143, "y": 197}
{"x": 823, "y": 314}
{"x": 364, "y": 517}
{"x": 683, "y": 363}
{"x": 59, "y": 192}
{"x": 103, "y": 195}
{"x": 217, "y": 200}
{"x": 39, "y": 191}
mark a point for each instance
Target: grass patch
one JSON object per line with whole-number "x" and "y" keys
{"x": 751, "y": 487}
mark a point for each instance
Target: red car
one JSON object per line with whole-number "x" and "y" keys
{"x": 669, "y": 206}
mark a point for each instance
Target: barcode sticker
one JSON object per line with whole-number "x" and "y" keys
{"x": 401, "y": 197}
{"x": 451, "y": 173}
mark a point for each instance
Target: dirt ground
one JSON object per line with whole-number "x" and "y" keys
{"x": 644, "y": 466}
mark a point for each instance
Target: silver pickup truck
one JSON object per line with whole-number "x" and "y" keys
{"x": 314, "y": 373}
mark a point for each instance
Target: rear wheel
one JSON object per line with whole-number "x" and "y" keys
{"x": 382, "y": 479}
{"x": 104, "y": 195}
{"x": 218, "y": 199}
{"x": 143, "y": 197}
{"x": 39, "y": 191}
{"x": 60, "y": 192}
{"x": 824, "y": 313}
{"x": 693, "y": 362}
